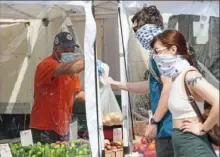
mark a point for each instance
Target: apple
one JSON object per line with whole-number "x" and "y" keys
{"x": 118, "y": 147}
{"x": 137, "y": 146}
{"x": 143, "y": 147}
{"x": 109, "y": 147}
{"x": 151, "y": 146}
{"x": 144, "y": 140}
{"x": 114, "y": 148}
{"x": 150, "y": 153}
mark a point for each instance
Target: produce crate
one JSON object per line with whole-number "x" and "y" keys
{"x": 59, "y": 149}
{"x": 141, "y": 146}
{"x": 109, "y": 153}
{"x": 114, "y": 153}
{"x": 119, "y": 153}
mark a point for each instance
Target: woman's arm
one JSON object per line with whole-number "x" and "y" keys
{"x": 162, "y": 107}
{"x": 135, "y": 87}
{"x": 198, "y": 85}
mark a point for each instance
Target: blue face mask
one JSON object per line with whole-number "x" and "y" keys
{"x": 67, "y": 57}
{"x": 146, "y": 33}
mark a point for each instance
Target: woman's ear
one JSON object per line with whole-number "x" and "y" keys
{"x": 173, "y": 50}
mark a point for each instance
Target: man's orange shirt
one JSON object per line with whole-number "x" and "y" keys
{"x": 53, "y": 98}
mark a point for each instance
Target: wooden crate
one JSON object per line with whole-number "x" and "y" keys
{"x": 119, "y": 153}
{"x": 114, "y": 153}
{"x": 110, "y": 153}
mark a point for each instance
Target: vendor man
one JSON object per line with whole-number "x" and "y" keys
{"x": 56, "y": 87}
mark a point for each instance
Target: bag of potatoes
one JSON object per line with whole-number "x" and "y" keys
{"x": 111, "y": 112}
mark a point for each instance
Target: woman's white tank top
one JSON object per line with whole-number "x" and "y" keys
{"x": 178, "y": 103}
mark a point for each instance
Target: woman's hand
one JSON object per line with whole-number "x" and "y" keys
{"x": 194, "y": 127}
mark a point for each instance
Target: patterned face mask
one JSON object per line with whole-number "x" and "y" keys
{"x": 146, "y": 33}
{"x": 170, "y": 65}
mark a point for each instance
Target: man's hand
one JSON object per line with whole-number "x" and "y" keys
{"x": 151, "y": 132}
{"x": 80, "y": 96}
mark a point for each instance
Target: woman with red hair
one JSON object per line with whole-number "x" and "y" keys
{"x": 189, "y": 137}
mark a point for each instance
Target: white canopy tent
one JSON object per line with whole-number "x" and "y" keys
{"x": 21, "y": 53}
{"x": 137, "y": 62}
{"x": 37, "y": 42}
{"x": 201, "y": 38}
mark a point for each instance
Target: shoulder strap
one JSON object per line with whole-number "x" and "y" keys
{"x": 192, "y": 100}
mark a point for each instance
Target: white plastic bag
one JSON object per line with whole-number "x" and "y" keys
{"x": 111, "y": 112}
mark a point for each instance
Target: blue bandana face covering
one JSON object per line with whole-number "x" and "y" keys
{"x": 146, "y": 33}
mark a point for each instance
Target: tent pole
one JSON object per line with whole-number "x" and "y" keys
{"x": 129, "y": 96}
{"x": 126, "y": 149}
{"x": 96, "y": 90}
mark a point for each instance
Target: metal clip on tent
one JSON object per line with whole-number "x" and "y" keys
{"x": 45, "y": 22}
{"x": 27, "y": 24}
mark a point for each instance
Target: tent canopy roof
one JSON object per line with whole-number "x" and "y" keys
{"x": 52, "y": 9}
{"x": 208, "y": 8}
{"x": 56, "y": 9}
{"x": 39, "y": 10}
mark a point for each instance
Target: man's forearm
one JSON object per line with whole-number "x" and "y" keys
{"x": 69, "y": 68}
{"x": 135, "y": 87}
{"x": 162, "y": 107}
